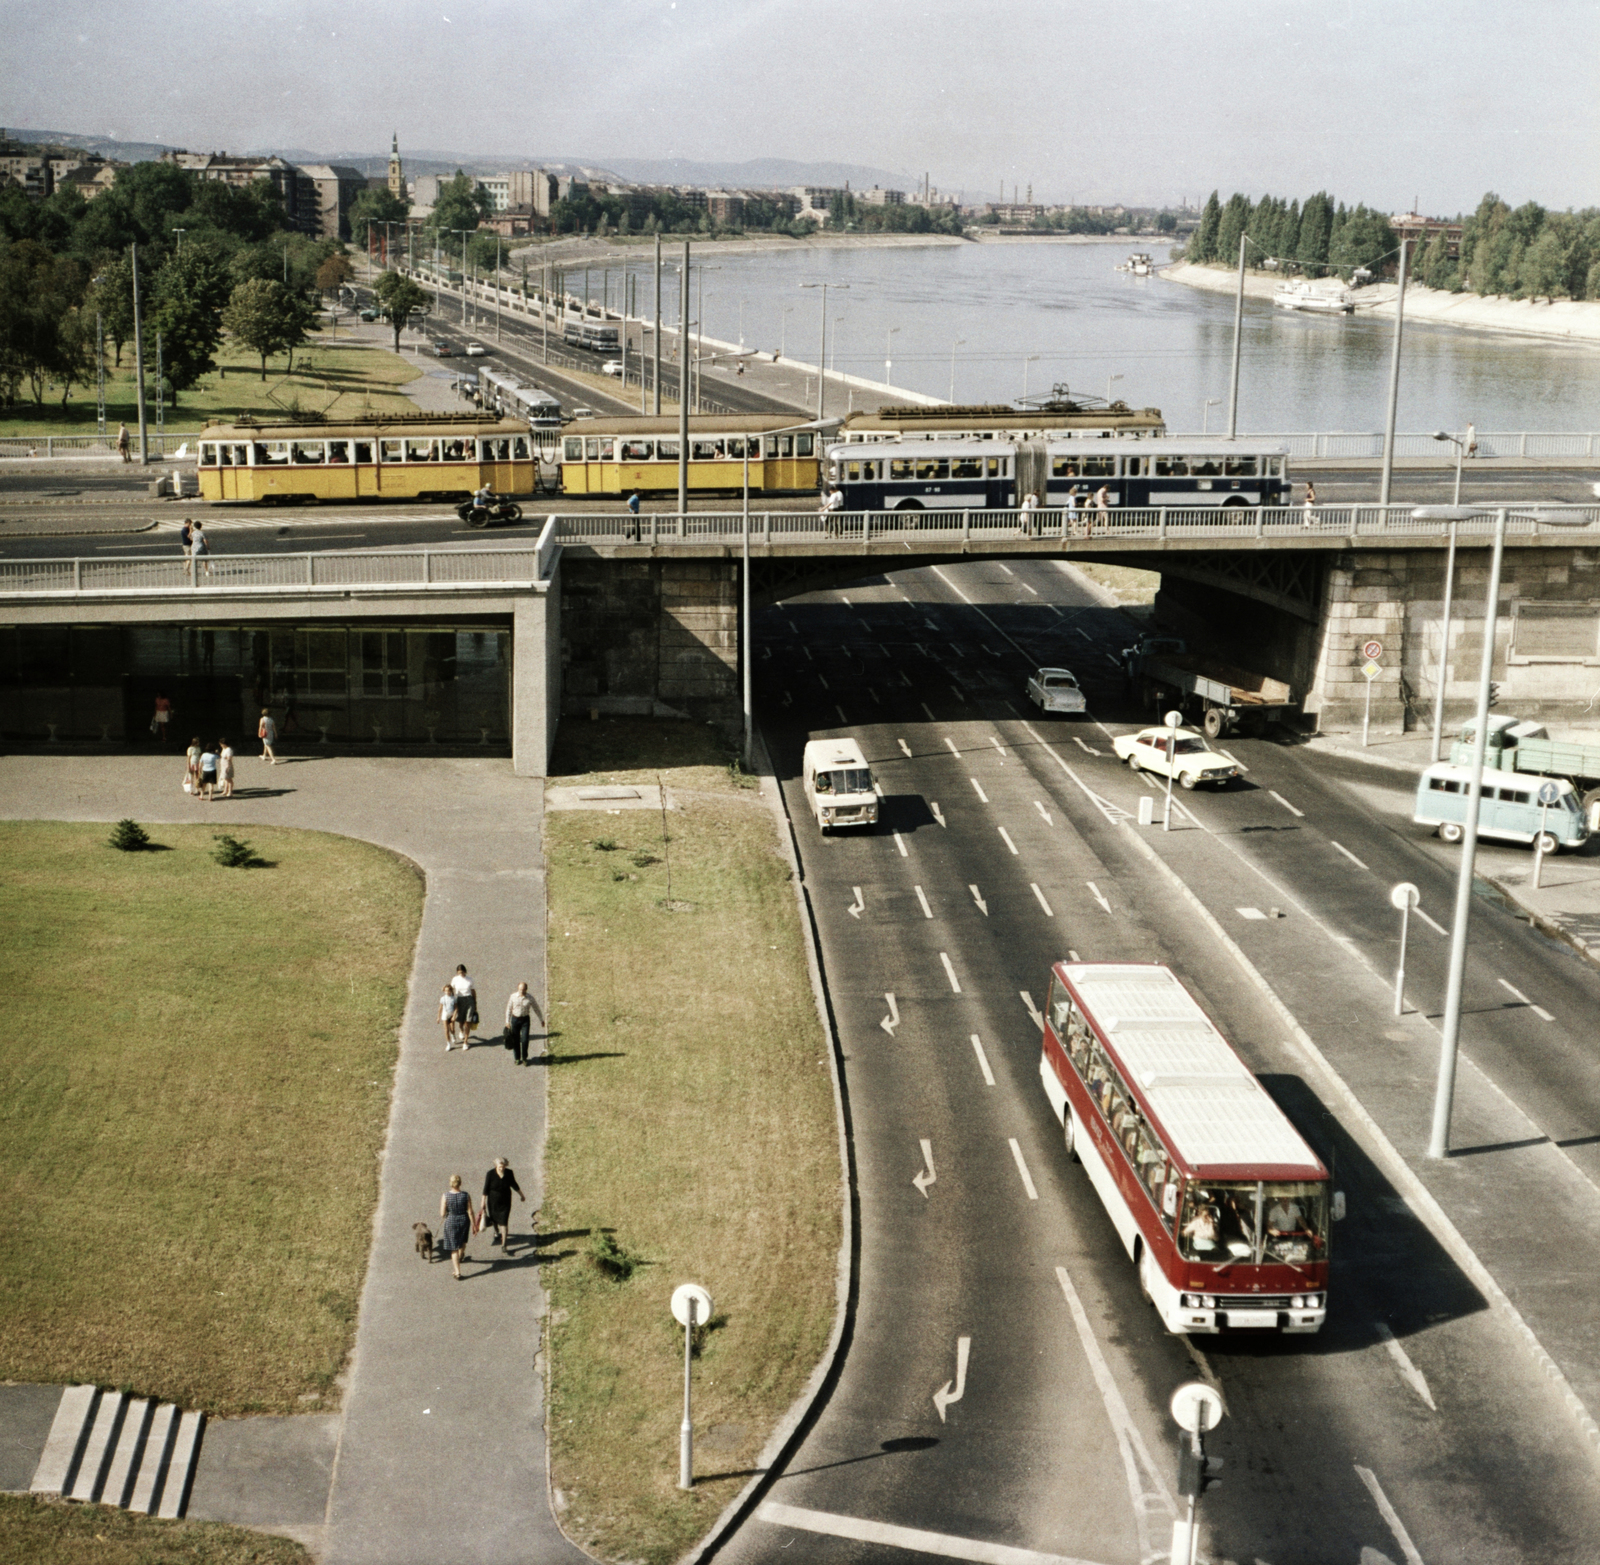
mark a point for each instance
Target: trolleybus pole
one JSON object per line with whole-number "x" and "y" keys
{"x": 683, "y": 390}
{"x": 1394, "y": 381}
{"x": 497, "y": 289}
{"x": 138, "y": 362}
{"x": 1238, "y": 333}
{"x": 655, "y": 375}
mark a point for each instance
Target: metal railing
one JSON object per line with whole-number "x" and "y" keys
{"x": 1308, "y": 446}
{"x": 66, "y": 445}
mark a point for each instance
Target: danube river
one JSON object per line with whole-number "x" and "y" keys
{"x": 1026, "y": 316}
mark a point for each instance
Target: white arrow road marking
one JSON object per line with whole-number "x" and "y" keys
{"x": 1049, "y": 819}
{"x": 1098, "y": 895}
{"x": 950, "y": 973}
{"x": 892, "y": 1020}
{"x": 1286, "y": 804}
{"x": 1049, "y": 911}
{"x": 927, "y": 912}
{"x": 1432, "y": 923}
{"x": 1147, "y": 1489}
{"x": 842, "y": 718}
{"x": 860, "y": 904}
{"x": 914, "y": 1540}
{"x": 979, "y": 786}
{"x": 950, "y": 745}
{"x": 766, "y": 652}
{"x": 944, "y": 1396}
{"x": 899, "y": 842}
{"x": 1388, "y": 1513}
{"x": 1033, "y": 1010}
{"x": 1112, "y": 812}
{"x": 1409, "y": 1372}
{"x": 936, "y": 812}
{"x": 1006, "y": 838}
{"x": 1088, "y": 748}
{"x": 1022, "y": 1168}
{"x": 983, "y": 1060}
{"x": 983, "y": 907}
{"x": 821, "y": 680}
{"x": 904, "y": 746}
{"x": 1349, "y": 855}
{"x": 924, "y": 706}
{"x": 925, "y": 1177}
{"x": 995, "y": 742}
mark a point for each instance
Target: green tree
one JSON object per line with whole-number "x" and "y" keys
{"x": 1230, "y": 227}
{"x": 1543, "y": 273}
{"x": 113, "y": 298}
{"x": 38, "y": 340}
{"x": 1203, "y": 247}
{"x": 334, "y": 273}
{"x": 375, "y": 207}
{"x": 252, "y": 213}
{"x": 462, "y": 203}
{"x": 190, "y": 293}
{"x": 1364, "y": 239}
{"x": 1316, "y": 227}
{"x": 397, "y": 297}
{"x": 1434, "y": 268}
{"x": 266, "y": 317}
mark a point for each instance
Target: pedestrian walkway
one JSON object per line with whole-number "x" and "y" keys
{"x": 439, "y": 1449}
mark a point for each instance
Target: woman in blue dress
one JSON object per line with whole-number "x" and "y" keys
{"x": 455, "y": 1207}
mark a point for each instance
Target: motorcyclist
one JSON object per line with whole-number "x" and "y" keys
{"x": 483, "y": 498}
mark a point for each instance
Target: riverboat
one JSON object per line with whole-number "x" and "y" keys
{"x": 1313, "y": 299}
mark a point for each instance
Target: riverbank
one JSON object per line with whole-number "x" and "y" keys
{"x": 1564, "y": 320}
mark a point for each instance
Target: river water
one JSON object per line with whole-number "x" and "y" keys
{"x": 997, "y": 306}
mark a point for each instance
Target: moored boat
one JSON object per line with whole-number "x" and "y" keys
{"x": 1314, "y": 298}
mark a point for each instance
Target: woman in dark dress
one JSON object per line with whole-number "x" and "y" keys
{"x": 455, "y": 1207}
{"x": 498, "y": 1184}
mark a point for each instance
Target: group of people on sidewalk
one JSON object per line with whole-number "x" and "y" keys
{"x": 208, "y": 769}
{"x": 1078, "y": 514}
{"x": 458, "y": 1015}
{"x": 461, "y": 1222}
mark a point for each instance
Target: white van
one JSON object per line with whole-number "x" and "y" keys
{"x": 838, "y": 784}
{"x": 1509, "y": 808}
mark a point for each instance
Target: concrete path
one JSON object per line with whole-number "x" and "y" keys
{"x": 439, "y": 1451}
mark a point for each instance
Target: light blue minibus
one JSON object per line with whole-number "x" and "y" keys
{"x": 1509, "y": 808}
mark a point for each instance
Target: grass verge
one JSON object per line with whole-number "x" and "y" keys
{"x": 1129, "y": 586}
{"x": 691, "y": 1126}
{"x": 192, "y": 1107}
{"x": 35, "y": 1531}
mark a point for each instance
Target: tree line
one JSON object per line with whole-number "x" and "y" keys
{"x": 211, "y": 257}
{"x": 1527, "y": 252}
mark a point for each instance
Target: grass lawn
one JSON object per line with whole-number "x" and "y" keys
{"x": 52, "y": 1532}
{"x": 692, "y": 1119}
{"x": 338, "y": 381}
{"x": 1130, "y": 586}
{"x": 192, "y": 1107}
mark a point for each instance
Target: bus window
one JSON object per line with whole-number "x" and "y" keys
{"x": 1172, "y": 467}
{"x": 208, "y": 454}
{"x": 1206, "y": 467}
{"x": 519, "y": 448}
{"x": 666, "y": 450}
{"x": 933, "y": 467}
{"x": 901, "y": 467}
{"x": 1061, "y": 1009}
{"x": 422, "y": 450}
{"x": 1273, "y": 466}
{"x": 572, "y": 449}
{"x": 1099, "y": 467}
{"x": 966, "y": 467}
{"x": 1239, "y": 466}
{"x": 804, "y": 445}
{"x": 1133, "y": 467}
{"x": 852, "y": 472}
{"x": 994, "y": 466}
{"x": 338, "y": 450}
{"x": 710, "y": 450}
{"x": 363, "y": 453}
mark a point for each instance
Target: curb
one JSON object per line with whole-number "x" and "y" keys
{"x": 1387, "y": 1157}
{"x": 794, "y": 1425}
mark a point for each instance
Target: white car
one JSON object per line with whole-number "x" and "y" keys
{"x": 611, "y": 367}
{"x": 1190, "y": 761}
{"x": 1056, "y": 690}
{"x": 476, "y": 350}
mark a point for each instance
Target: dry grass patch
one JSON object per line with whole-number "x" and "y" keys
{"x": 191, "y": 1107}
{"x": 1129, "y": 586}
{"x": 51, "y": 1532}
{"x": 692, "y": 1124}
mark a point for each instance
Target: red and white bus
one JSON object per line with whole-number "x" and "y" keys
{"x": 1221, "y": 1204}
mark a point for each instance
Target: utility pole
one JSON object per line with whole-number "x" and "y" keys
{"x": 138, "y": 362}
{"x": 1238, "y": 334}
{"x": 100, "y": 373}
{"x": 497, "y": 289}
{"x": 1394, "y": 380}
{"x": 544, "y": 309}
{"x": 161, "y": 401}
{"x": 656, "y": 368}
{"x": 683, "y": 396}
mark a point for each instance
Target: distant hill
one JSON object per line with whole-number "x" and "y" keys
{"x": 759, "y": 172}
{"x": 120, "y": 151}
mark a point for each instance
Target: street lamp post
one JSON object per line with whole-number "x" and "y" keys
{"x": 960, "y": 342}
{"x": 1461, "y": 451}
{"x": 1109, "y": 380}
{"x": 783, "y": 329}
{"x": 1205, "y": 413}
{"x": 1394, "y": 379}
{"x": 1032, "y": 358}
{"x": 1238, "y": 338}
{"x": 683, "y": 390}
{"x": 822, "y": 346}
{"x": 888, "y": 348}
{"x": 180, "y": 232}
{"x": 138, "y": 362}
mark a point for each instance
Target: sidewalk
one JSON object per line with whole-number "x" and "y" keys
{"x": 438, "y": 1452}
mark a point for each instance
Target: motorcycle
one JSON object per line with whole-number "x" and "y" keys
{"x": 499, "y": 509}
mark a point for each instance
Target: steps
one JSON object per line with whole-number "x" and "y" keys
{"x": 118, "y": 1450}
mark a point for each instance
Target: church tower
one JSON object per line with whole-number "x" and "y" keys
{"x": 397, "y": 184}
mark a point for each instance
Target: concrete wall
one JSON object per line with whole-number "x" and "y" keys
{"x": 1251, "y": 634}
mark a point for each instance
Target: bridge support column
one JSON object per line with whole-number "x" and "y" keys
{"x": 536, "y": 678}
{"x": 1364, "y": 599}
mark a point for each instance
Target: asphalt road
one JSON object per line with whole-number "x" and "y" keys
{"x": 1413, "y": 1427}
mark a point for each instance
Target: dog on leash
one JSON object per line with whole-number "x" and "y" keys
{"x": 424, "y": 1241}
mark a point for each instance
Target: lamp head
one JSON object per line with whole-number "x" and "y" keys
{"x": 1448, "y": 513}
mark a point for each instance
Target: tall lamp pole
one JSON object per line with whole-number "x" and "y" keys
{"x": 1443, "y": 675}
{"x": 1394, "y": 380}
{"x": 960, "y": 342}
{"x": 655, "y": 374}
{"x": 683, "y": 387}
{"x": 822, "y": 346}
{"x": 1032, "y": 358}
{"x": 1238, "y": 338}
{"x": 888, "y": 348}
{"x": 138, "y": 363}
{"x": 1109, "y": 380}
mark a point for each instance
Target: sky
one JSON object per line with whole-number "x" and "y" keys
{"x": 1142, "y": 101}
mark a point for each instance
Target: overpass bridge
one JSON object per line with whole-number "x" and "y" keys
{"x": 615, "y": 613}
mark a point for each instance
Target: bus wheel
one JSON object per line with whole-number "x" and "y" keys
{"x": 909, "y": 505}
{"x": 1451, "y": 831}
{"x": 1235, "y": 503}
{"x": 1215, "y": 722}
{"x": 1070, "y": 1134}
{"x": 1547, "y": 842}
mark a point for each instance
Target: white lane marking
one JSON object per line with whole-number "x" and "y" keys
{"x": 936, "y": 812}
{"x": 1099, "y": 895}
{"x": 955, "y": 647}
{"x": 979, "y": 787}
{"x": 1146, "y": 1487}
{"x": 914, "y": 1540}
{"x": 1088, "y": 749}
{"x": 1049, "y": 819}
{"x": 1286, "y": 804}
{"x": 1249, "y": 912}
{"x": 1050, "y": 912}
{"x": 919, "y": 646}
{"x": 1033, "y": 590}
{"x": 996, "y": 743}
{"x": 1538, "y": 1010}
{"x": 788, "y": 700}
{"x": 877, "y": 787}
{"x": 847, "y": 603}
{"x": 1033, "y": 1010}
{"x": 983, "y": 1060}
{"x": 822, "y": 680}
{"x": 925, "y": 1176}
{"x": 872, "y": 690}
{"x": 1011, "y": 709}
{"x": 1009, "y": 843}
{"x": 1085, "y": 634}
{"x": 1022, "y": 1168}
{"x": 983, "y": 907}
{"x": 950, "y": 745}
{"x": 924, "y": 706}
{"x": 1112, "y": 812}
{"x": 1387, "y": 1512}
{"x": 1347, "y": 853}
{"x": 842, "y": 718}
{"x": 899, "y": 842}
{"x": 859, "y": 906}
{"x": 892, "y": 1020}
{"x": 904, "y": 746}
{"x": 958, "y": 693}
{"x": 927, "y": 912}
{"x": 1432, "y": 923}
{"x": 1006, "y": 568}
{"x": 950, "y": 973}
{"x": 1542, "y": 1014}
{"x": 1073, "y": 955}
{"x": 1409, "y": 1372}
{"x": 807, "y": 650}
{"x": 905, "y": 679}
{"x": 944, "y": 1396}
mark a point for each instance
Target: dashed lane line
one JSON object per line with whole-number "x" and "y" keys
{"x": 900, "y": 843}
{"x": 1344, "y": 850}
{"x": 1005, "y": 837}
{"x": 1389, "y": 1514}
{"x": 927, "y": 912}
{"x": 1430, "y": 921}
{"x": 1286, "y": 804}
{"x": 983, "y": 1060}
{"x": 981, "y": 794}
{"x": 1538, "y": 1010}
{"x": 1409, "y": 1372}
{"x": 924, "y": 706}
{"x": 950, "y": 972}
{"x": 1022, "y": 1168}
{"x": 1049, "y": 911}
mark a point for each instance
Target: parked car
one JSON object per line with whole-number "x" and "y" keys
{"x": 443, "y": 350}
{"x": 1056, "y": 690}
{"x": 369, "y": 314}
{"x": 476, "y": 350}
{"x": 611, "y": 367}
{"x": 1179, "y": 753}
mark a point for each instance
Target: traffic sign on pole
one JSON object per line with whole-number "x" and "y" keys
{"x": 1370, "y": 670}
{"x": 1372, "y": 649}
{"x": 1197, "y": 1406}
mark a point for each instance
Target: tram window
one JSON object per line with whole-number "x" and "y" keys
{"x": 272, "y": 453}
{"x": 1099, "y": 467}
{"x": 224, "y": 456}
{"x": 422, "y": 450}
{"x": 363, "y": 453}
{"x": 457, "y": 451}
{"x": 1172, "y": 467}
{"x": 208, "y": 454}
{"x": 608, "y": 450}
{"x": 1206, "y": 467}
{"x": 638, "y": 450}
{"x": 338, "y": 450}
{"x": 1240, "y": 466}
{"x": 966, "y": 467}
{"x": 706, "y": 450}
{"x": 804, "y": 445}
{"x": 1133, "y": 467}
{"x": 591, "y": 450}
{"x": 307, "y": 453}
{"x": 901, "y": 467}
{"x": 666, "y": 450}
{"x": 572, "y": 449}
{"x": 519, "y": 448}
{"x": 736, "y": 447}
{"x": 1066, "y": 467}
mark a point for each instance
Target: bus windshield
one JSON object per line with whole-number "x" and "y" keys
{"x": 851, "y": 779}
{"x": 1254, "y": 1221}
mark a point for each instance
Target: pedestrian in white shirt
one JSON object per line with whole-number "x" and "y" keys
{"x": 520, "y": 1009}
{"x": 466, "y": 1006}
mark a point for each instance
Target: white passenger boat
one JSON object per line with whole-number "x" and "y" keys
{"x": 1316, "y": 298}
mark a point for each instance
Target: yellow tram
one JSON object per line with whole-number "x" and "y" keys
{"x": 615, "y": 456}
{"x": 428, "y": 456}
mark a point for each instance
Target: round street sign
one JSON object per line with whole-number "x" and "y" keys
{"x": 1197, "y": 1407}
{"x": 1173, "y": 719}
{"x": 680, "y": 1304}
{"x": 1404, "y": 896}
{"x": 1372, "y": 649}
{"x": 1549, "y": 793}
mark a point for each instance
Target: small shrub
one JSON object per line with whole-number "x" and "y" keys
{"x": 232, "y": 853}
{"x": 611, "y": 1258}
{"x": 129, "y": 836}
{"x": 643, "y": 860}
{"x": 604, "y": 845}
